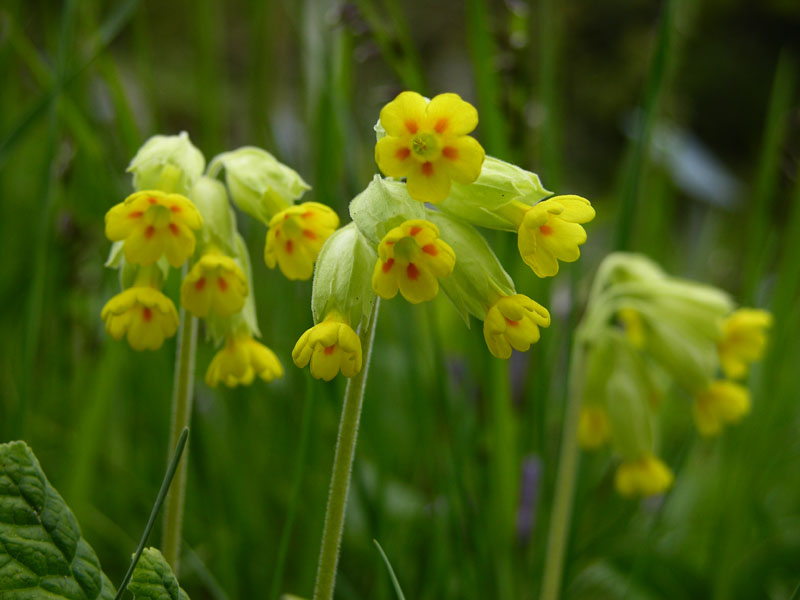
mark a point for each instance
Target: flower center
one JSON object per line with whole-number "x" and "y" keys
{"x": 158, "y": 215}
{"x": 406, "y": 249}
{"x": 424, "y": 145}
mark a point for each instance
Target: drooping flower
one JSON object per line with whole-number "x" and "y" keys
{"x": 743, "y": 340}
{"x": 296, "y": 236}
{"x": 513, "y": 321}
{"x": 411, "y": 259}
{"x": 240, "y": 360}
{"x": 142, "y": 313}
{"x": 631, "y": 321}
{"x": 215, "y": 283}
{"x": 550, "y": 231}
{"x": 330, "y": 346}
{"x": 644, "y": 476}
{"x": 721, "y": 403}
{"x": 427, "y": 143}
{"x": 593, "y": 427}
{"x": 153, "y": 224}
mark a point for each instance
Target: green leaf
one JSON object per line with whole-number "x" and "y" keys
{"x": 42, "y": 553}
{"x": 154, "y": 580}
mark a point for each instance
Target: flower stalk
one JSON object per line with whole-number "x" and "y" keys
{"x": 343, "y": 465}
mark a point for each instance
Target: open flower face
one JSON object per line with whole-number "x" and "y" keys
{"x": 296, "y": 236}
{"x": 240, "y": 360}
{"x": 411, "y": 259}
{"x": 722, "y": 403}
{"x": 144, "y": 314}
{"x": 645, "y": 476}
{"x": 152, "y": 224}
{"x": 550, "y": 231}
{"x": 330, "y": 347}
{"x": 215, "y": 283}
{"x": 513, "y": 322}
{"x": 427, "y": 143}
{"x": 743, "y": 340}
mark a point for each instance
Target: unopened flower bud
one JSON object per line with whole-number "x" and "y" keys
{"x": 169, "y": 163}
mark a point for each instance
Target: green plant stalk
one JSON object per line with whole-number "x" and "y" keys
{"x": 343, "y": 465}
{"x": 181, "y": 417}
{"x": 561, "y": 514}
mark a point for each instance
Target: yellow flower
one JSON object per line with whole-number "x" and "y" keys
{"x": 722, "y": 403}
{"x": 743, "y": 340}
{"x": 593, "y": 427}
{"x": 412, "y": 258}
{"x": 152, "y": 224}
{"x": 296, "y": 236}
{"x": 513, "y": 321}
{"x": 645, "y": 476}
{"x": 143, "y": 313}
{"x": 240, "y": 360}
{"x": 550, "y": 231}
{"x": 330, "y": 346}
{"x": 427, "y": 143}
{"x": 215, "y": 283}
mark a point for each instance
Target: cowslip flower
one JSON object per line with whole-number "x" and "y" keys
{"x": 550, "y": 231}
{"x": 240, "y": 360}
{"x": 593, "y": 427}
{"x": 427, "y": 143}
{"x": 296, "y": 236}
{"x": 644, "y": 476}
{"x": 330, "y": 346}
{"x": 743, "y": 340}
{"x": 215, "y": 283}
{"x": 513, "y": 322}
{"x": 142, "y": 313}
{"x": 152, "y": 224}
{"x": 720, "y": 404}
{"x": 411, "y": 259}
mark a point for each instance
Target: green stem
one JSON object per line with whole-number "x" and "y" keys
{"x": 561, "y": 513}
{"x": 181, "y": 417}
{"x": 343, "y": 466}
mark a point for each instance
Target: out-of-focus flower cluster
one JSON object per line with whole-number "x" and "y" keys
{"x": 644, "y": 333}
{"x": 180, "y": 216}
{"x": 413, "y": 233}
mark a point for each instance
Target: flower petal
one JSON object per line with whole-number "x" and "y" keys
{"x": 448, "y": 114}
{"x": 403, "y": 115}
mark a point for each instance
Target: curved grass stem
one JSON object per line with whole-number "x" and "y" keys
{"x": 343, "y": 465}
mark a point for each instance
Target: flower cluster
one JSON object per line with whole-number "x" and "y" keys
{"x": 644, "y": 332}
{"x": 179, "y": 217}
{"x": 414, "y": 232}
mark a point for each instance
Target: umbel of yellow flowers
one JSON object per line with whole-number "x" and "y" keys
{"x": 645, "y": 333}
{"x": 397, "y": 244}
{"x": 180, "y": 217}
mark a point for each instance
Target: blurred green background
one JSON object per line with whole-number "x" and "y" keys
{"x": 678, "y": 119}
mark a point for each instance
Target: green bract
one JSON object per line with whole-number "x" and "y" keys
{"x": 259, "y": 184}
{"x": 343, "y": 277}
{"x": 219, "y": 221}
{"x": 42, "y": 552}
{"x": 499, "y": 184}
{"x": 382, "y": 206}
{"x": 170, "y": 163}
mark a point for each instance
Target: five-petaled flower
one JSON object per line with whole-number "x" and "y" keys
{"x": 644, "y": 476}
{"x": 152, "y": 224}
{"x": 743, "y": 340}
{"x": 550, "y": 231}
{"x": 427, "y": 143}
{"x": 721, "y": 403}
{"x": 240, "y": 360}
{"x": 330, "y": 346}
{"x": 295, "y": 237}
{"x": 411, "y": 259}
{"x": 146, "y": 315}
{"x": 513, "y": 322}
{"x": 215, "y": 283}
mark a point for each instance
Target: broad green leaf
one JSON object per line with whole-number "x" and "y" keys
{"x": 42, "y": 553}
{"x": 153, "y": 579}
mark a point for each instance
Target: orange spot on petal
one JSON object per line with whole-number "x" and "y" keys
{"x": 308, "y": 214}
{"x": 427, "y": 168}
{"x": 387, "y": 266}
{"x": 135, "y": 214}
{"x": 289, "y": 247}
{"x": 309, "y": 234}
{"x": 441, "y": 125}
{"x": 223, "y": 285}
{"x": 148, "y": 233}
{"x": 402, "y": 153}
{"x": 174, "y": 229}
{"x": 152, "y": 200}
{"x": 147, "y": 314}
{"x": 412, "y": 271}
{"x": 412, "y": 126}
{"x": 430, "y": 249}
{"x": 546, "y": 229}
{"x": 415, "y": 230}
{"x": 175, "y": 208}
{"x": 200, "y": 284}
{"x": 450, "y": 152}
{"x": 512, "y": 323}
{"x": 330, "y": 349}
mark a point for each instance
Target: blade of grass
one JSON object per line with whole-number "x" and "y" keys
{"x": 395, "y": 583}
